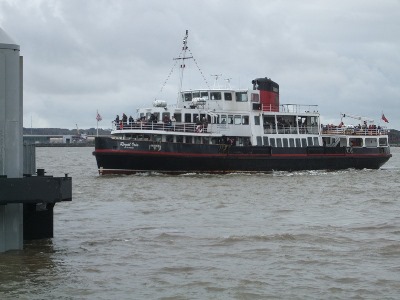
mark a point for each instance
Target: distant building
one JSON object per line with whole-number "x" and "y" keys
{"x": 48, "y": 139}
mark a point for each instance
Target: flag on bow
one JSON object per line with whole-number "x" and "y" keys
{"x": 98, "y": 117}
{"x": 384, "y": 118}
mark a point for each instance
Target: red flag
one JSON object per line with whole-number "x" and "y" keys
{"x": 384, "y": 118}
{"x": 98, "y": 117}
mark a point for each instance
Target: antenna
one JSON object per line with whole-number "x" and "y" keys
{"x": 216, "y": 80}
{"x": 228, "y": 83}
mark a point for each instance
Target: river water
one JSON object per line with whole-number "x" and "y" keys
{"x": 284, "y": 235}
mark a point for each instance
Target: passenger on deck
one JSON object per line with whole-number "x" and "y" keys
{"x": 152, "y": 118}
{"x": 199, "y": 125}
{"x": 124, "y": 119}
{"x": 198, "y": 122}
{"x": 167, "y": 120}
{"x": 204, "y": 122}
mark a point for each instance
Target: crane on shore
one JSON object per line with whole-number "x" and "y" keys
{"x": 79, "y": 136}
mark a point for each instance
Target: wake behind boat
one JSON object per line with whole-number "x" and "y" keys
{"x": 224, "y": 130}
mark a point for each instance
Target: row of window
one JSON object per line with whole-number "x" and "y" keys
{"x": 288, "y": 142}
{"x": 238, "y": 141}
{"x": 193, "y": 118}
{"x": 268, "y": 121}
{"x": 227, "y": 96}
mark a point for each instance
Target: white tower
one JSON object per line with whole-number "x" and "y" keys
{"x": 11, "y": 144}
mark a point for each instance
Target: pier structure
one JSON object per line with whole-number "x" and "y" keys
{"x": 26, "y": 201}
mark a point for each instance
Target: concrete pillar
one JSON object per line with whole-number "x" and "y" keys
{"x": 11, "y": 148}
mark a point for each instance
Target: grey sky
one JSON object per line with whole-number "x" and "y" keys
{"x": 114, "y": 56}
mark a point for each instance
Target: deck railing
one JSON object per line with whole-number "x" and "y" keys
{"x": 290, "y": 108}
{"x": 269, "y": 129}
{"x": 175, "y": 127}
{"x": 354, "y": 131}
{"x": 203, "y": 128}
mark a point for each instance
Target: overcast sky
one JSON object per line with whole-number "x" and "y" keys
{"x": 115, "y": 55}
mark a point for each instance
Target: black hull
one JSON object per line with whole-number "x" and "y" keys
{"x": 126, "y": 157}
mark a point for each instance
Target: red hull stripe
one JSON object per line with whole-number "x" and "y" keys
{"x": 156, "y": 153}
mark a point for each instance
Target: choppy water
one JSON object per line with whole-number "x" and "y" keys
{"x": 301, "y": 235}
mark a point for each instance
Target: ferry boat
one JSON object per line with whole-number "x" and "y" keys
{"x": 225, "y": 130}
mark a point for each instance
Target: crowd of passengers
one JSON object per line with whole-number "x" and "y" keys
{"x": 282, "y": 123}
{"x": 285, "y": 126}
{"x": 358, "y": 128}
{"x": 125, "y": 122}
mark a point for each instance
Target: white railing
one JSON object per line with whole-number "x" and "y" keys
{"x": 354, "y": 131}
{"x": 268, "y": 129}
{"x": 176, "y": 127}
{"x": 290, "y": 108}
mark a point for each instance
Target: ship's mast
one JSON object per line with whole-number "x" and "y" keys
{"x": 183, "y": 58}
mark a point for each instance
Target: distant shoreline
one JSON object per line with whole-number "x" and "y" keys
{"x": 64, "y": 145}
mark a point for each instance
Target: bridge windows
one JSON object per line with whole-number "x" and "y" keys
{"x": 241, "y": 97}
{"x": 228, "y": 96}
{"x": 238, "y": 120}
{"x": 204, "y": 95}
{"x": 215, "y": 95}
{"x": 187, "y": 96}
